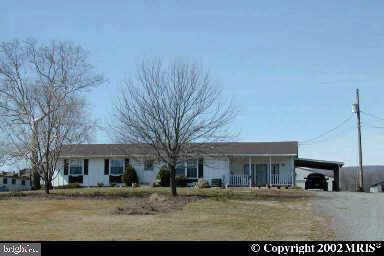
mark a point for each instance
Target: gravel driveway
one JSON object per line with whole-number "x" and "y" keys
{"x": 353, "y": 216}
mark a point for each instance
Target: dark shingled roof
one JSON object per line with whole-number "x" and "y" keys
{"x": 226, "y": 148}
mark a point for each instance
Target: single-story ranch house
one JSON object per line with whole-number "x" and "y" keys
{"x": 234, "y": 163}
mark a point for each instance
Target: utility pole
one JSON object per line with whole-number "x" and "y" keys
{"x": 356, "y": 109}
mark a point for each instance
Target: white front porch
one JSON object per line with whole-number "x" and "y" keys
{"x": 265, "y": 171}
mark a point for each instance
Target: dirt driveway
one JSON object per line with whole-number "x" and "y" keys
{"x": 352, "y": 216}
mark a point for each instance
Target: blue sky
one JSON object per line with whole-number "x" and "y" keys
{"x": 291, "y": 66}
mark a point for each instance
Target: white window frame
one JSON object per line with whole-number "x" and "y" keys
{"x": 81, "y": 164}
{"x": 197, "y": 168}
{"x": 110, "y": 167}
{"x": 185, "y": 162}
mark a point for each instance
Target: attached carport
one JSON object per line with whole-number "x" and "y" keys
{"x": 323, "y": 165}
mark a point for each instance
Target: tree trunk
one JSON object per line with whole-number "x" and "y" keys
{"x": 35, "y": 178}
{"x": 47, "y": 183}
{"x": 172, "y": 178}
{"x": 35, "y": 173}
{"x": 47, "y": 189}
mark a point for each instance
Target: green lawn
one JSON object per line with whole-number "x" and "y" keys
{"x": 218, "y": 214}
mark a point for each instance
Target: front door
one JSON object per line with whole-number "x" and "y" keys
{"x": 261, "y": 174}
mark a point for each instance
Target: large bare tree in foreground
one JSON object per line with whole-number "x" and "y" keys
{"x": 170, "y": 107}
{"x": 41, "y": 107}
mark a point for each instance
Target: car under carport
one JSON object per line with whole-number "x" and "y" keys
{"x": 315, "y": 180}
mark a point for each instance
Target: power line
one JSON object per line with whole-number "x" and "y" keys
{"x": 371, "y": 115}
{"x": 346, "y": 131}
{"x": 327, "y": 132}
{"x": 372, "y": 126}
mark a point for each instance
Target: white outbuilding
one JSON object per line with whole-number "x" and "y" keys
{"x": 14, "y": 183}
{"x": 378, "y": 187}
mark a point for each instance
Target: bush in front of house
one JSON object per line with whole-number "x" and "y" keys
{"x": 100, "y": 184}
{"x": 156, "y": 183}
{"x": 202, "y": 183}
{"x": 181, "y": 181}
{"x": 164, "y": 176}
{"x": 70, "y": 185}
{"x": 129, "y": 176}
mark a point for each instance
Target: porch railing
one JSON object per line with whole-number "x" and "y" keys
{"x": 243, "y": 180}
{"x": 239, "y": 180}
{"x": 277, "y": 179}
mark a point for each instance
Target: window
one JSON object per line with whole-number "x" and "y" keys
{"x": 85, "y": 166}
{"x": 117, "y": 167}
{"x": 13, "y": 181}
{"x": 180, "y": 169}
{"x": 275, "y": 169}
{"x": 5, "y": 180}
{"x": 192, "y": 168}
{"x": 148, "y": 165}
{"x": 23, "y": 182}
{"x": 76, "y": 167}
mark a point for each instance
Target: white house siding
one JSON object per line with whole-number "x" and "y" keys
{"x": 216, "y": 168}
{"x": 145, "y": 176}
{"x": 301, "y": 174}
{"x": 17, "y": 186}
{"x": 60, "y": 179}
{"x": 95, "y": 174}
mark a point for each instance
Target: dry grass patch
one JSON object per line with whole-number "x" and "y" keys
{"x": 125, "y": 192}
{"x": 211, "y": 218}
{"x": 154, "y": 204}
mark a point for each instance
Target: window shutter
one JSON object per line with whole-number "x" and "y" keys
{"x": 85, "y": 166}
{"x": 65, "y": 167}
{"x": 126, "y": 163}
{"x": 106, "y": 166}
{"x": 201, "y": 168}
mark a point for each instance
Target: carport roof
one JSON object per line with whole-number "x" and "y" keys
{"x": 318, "y": 164}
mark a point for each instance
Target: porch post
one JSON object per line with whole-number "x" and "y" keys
{"x": 270, "y": 171}
{"x": 250, "y": 172}
{"x": 293, "y": 172}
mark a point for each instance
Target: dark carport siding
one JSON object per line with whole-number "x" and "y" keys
{"x": 324, "y": 165}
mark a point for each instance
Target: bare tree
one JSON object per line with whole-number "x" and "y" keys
{"x": 171, "y": 107}
{"x": 40, "y": 103}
